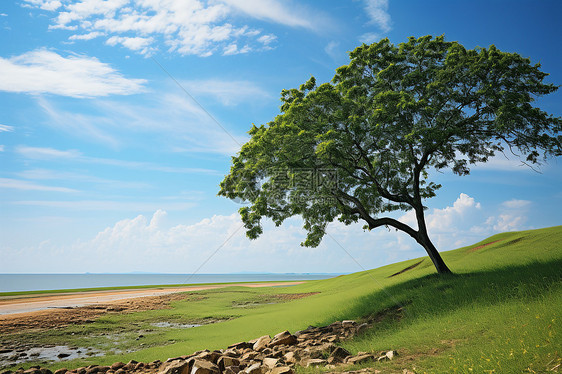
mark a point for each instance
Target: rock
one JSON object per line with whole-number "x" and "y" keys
{"x": 254, "y": 369}
{"x": 338, "y": 355}
{"x": 359, "y": 359}
{"x": 391, "y": 354}
{"x": 241, "y": 345}
{"x": 117, "y": 365}
{"x": 313, "y": 362}
{"x": 261, "y": 343}
{"x": 225, "y": 361}
{"x": 175, "y": 367}
{"x": 284, "y": 337}
{"x": 231, "y": 370}
{"x": 282, "y": 370}
{"x": 61, "y": 371}
{"x": 270, "y": 362}
{"x": 290, "y": 357}
{"x": 204, "y": 367}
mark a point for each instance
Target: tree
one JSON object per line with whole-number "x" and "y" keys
{"x": 362, "y": 145}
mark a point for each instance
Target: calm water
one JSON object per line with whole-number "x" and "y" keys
{"x": 36, "y": 282}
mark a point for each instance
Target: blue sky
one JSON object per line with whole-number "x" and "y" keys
{"x": 108, "y": 164}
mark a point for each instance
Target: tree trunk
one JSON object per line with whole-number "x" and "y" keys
{"x": 424, "y": 241}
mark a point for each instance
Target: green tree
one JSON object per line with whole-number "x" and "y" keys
{"x": 387, "y": 118}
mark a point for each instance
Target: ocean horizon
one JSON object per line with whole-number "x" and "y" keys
{"x": 46, "y": 281}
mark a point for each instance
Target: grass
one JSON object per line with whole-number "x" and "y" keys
{"x": 499, "y": 312}
{"x": 109, "y": 289}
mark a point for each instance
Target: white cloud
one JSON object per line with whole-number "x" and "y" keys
{"x": 2, "y": 147}
{"x": 267, "y": 39}
{"x": 331, "y": 49}
{"x": 6, "y": 128}
{"x": 516, "y": 204}
{"x": 139, "y": 44}
{"x": 45, "y": 4}
{"x": 226, "y": 92}
{"x": 377, "y": 11}
{"x": 7, "y": 183}
{"x": 45, "y": 174}
{"x": 509, "y": 222}
{"x": 38, "y": 153}
{"x": 44, "y": 71}
{"x": 276, "y": 11}
{"x": 106, "y": 205}
{"x": 232, "y": 49}
{"x": 369, "y": 38}
{"x": 88, "y": 36}
{"x": 42, "y": 153}
{"x": 448, "y": 227}
{"x": 189, "y": 27}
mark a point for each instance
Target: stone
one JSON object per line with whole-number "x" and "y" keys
{"x": 117, "y": 365}
{"x": 313, "y": 362}
{"x": 61, "y": 371}
{"x": 241, "y": 345}
{"x": 254, "y": 369}
{"x": 175, "y": 367}
{"x": 204, "y": 367}
{"x": 361, "y": 328}
{"x": 231, "y": 370}
{"x": 360, "y": 359}
{"x": 290, "y": 357}
{"x": 391, "y": 354}
{"x": 270, "y": 362}
{"x": 282, "y": 370}
{"x": 261, "y": 343}
{"x": 338, "y": 355}
{"x": 284, "y": 337}
{"x": 225, "y": 361}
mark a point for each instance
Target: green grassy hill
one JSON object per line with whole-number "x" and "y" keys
{"x": 499, "y": 312}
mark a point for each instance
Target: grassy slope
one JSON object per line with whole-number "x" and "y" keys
{"x": 498, "y": 312}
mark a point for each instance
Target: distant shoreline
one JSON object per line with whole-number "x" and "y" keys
{"x": 26, "y": 303}
{"x": 29, "y": 284}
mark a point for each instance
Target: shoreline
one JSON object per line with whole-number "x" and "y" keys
{"x": 21, "y": 305}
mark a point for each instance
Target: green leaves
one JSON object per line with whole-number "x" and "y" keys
{"x": 391, "y": 115}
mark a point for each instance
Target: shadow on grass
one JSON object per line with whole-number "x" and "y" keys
{"x": 435, "y": 294}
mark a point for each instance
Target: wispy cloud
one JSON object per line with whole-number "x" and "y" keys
{"x": 6, "y": 128}
{"x": 172, "y": 118}
{"x": 17, "y": 184}
{"x": 38, "y": 153}
{"x": 377, "y": 12}
{"x": 46, "y": 174}
{"x": 44, "y": 71}
{"x": 226, "y": 92}
{"x": 188, "y": 27}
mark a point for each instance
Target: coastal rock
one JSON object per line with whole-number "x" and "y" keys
{"x": 175, "y": 367}
{"x": 282, "y": 370}
{"x": 261, "y": 343}
{"x": 285, "y": 338}
{"x": 204, "y": 367}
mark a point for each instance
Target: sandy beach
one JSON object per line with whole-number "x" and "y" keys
{"x": 25, "y": 304}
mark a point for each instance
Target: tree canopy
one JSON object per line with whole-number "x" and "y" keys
{"x": 361, "y": 146}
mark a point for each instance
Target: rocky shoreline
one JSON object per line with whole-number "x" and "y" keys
{"x": 315, "y": 346}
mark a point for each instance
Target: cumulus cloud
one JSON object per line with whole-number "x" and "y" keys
{"x": 188, "y": 27}
{"x": 44, "y": 71}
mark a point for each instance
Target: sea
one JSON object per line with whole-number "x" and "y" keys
{"x": 43, "y": 282}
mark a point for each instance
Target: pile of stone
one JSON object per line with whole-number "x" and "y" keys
{"x": 315, "y": 346}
